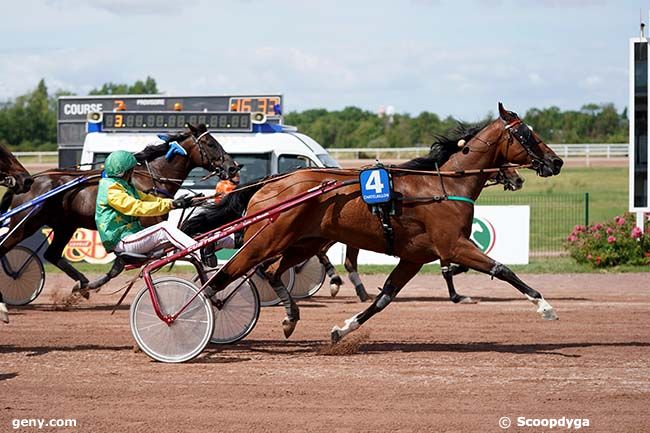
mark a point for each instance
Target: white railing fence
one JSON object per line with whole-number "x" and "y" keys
{"x": 586, "y": 150}
{"x": 583, "y": 150}
{"x": 37, "y": 157}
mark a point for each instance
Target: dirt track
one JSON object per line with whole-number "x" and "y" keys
{"x": 421, "y": 365}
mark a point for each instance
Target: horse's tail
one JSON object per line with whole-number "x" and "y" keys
{"x": 231, "y": 207}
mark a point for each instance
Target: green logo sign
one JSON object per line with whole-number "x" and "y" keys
{"x": 483, "y": 234}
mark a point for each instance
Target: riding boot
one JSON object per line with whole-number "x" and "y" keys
{"x": 208, "y": 257}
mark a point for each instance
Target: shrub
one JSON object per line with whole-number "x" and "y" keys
{"x": 612, "y": 243}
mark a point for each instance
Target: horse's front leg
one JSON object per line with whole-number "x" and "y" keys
{"x": 448, "y": 272}
{"x": 466, "y": 253}
{"x": 397, "y": 279}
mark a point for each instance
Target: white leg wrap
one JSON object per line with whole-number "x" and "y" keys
{"x": 544, "y": 309}
{"x": 4, "y": 313}
{"x": 354, "y": 277}
{"x": 350, "y": 325}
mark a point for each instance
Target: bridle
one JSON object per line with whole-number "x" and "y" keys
{"x": 7, "y": 181}
{"x": 216, "y": 165}
{"x": 521, "y": 132}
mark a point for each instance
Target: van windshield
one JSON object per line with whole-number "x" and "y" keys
{"x": 255, "y": 166}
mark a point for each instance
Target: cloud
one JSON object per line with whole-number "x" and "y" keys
{"x": 535, "y": 79}
{"x": 127, "y": 7}
{"x": 591, "y": 82}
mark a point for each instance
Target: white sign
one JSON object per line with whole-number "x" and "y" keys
{"x": 502, "y": 232}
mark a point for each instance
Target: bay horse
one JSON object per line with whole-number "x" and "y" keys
{"x": 433, "y": 219}
{"x": 508, "y": 177}
{"x": 75, "y": 208}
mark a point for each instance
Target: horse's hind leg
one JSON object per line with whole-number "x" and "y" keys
{"x": 293, "y": 312}
{"x": 466, "y": 253}
{"x": 335, "y": 279}
{"x": 116, "y": 269}
{"x": 401, "y": 275}
{"x": 53, "y": 254}
{"x": 293, "y": 255}
{"x": 448, "y": 272}
{"x": 351, "y": 265}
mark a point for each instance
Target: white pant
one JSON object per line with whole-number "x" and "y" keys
{"x": 156, "y": 237}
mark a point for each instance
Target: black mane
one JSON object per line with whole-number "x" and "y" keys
{"x": 154, "y": 151}
{"x": 4, "y": 152}
{"x": 445, "y": 145}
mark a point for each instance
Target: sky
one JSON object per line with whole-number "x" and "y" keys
{"x": 450, "y": 57}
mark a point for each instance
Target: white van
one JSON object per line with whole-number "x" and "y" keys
{"x": 261, "y": 154}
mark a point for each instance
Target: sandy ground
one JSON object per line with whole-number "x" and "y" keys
{"x": 423, "y": 364}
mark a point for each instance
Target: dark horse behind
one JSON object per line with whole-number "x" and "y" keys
{"x": 13, "y": 176}
{"x": 432, "y": 222}
{"x": 75, "y": 208}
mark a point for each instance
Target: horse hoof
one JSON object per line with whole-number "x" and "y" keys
{"x": 466, "y": 300}
{"x": 549, "y": 314}
{"x": 544, "y": 309}
{"x": 77, "y": 289}
{"x": 335, "y": 335}
{"x": 362, "y": 294}
{"x": 334, "y": 290}
{"x": 288, "y": 326}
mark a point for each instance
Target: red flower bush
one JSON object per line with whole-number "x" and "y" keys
{"x": 608, "y": 244}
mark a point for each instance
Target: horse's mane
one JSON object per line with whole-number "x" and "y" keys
{"x": 231, "y": 207}
{"x": 445, "y": 145}
{"x": 4, "y": 152}
{"x": 154, "y": 151}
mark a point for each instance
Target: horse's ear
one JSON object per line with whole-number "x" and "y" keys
{"x": 193, "y": 129}
{"x": 504, "y": 114}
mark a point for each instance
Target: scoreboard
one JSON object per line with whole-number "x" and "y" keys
{"x": 136, "y": 113}
{"x": 175, "y": 120}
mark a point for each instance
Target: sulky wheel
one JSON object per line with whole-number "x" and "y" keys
{"x": 268, "y": 296}
{"x": 21, "y": 276}
{"x": 184, "y": 338}
{"x": 236, "y": 310}
{"x": 310, "y": 276}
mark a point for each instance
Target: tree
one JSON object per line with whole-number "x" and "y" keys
{"x": 147, "y": 87}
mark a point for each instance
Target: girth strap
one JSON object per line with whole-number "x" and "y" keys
{"x": 383, "y": 213}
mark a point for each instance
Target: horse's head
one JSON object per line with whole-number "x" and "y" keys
{"x": 205, "y": 151}
{"x": 509, "y": 178}
{"x": 524, "y": 146}
{"x": 12, "y": 173}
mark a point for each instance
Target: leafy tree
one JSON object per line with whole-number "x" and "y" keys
{"x": 147, "y": 87}
{"x": 29, "y": 122}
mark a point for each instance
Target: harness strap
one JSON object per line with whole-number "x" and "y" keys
{"x": 436, "y": 199}
{"x": 383, "y": 213}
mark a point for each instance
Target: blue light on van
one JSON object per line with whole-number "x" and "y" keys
{"x": 93, "y": 127}
{"x": 267, "y": 127}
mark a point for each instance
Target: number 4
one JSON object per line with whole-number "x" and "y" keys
{"x": 374, "y": 182}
